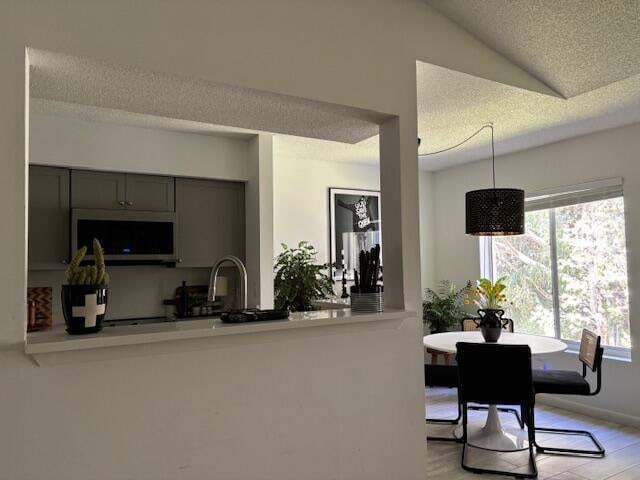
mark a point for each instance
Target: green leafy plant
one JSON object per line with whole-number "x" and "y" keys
{"x": 490, "y": 295}
{"x": 88, "y": 274}
{"x": 299, "y": 280}
{"x": 443, "y": 308}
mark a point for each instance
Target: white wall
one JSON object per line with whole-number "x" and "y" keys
{"x": 301, "y": 203}
{"x": 166, "y": 414}
{"x": 78, "y": 143}
{"x": 612, "y": 153}
{"x": 301, "y": 198}
{"x": 427, "y": 229}
{"x": 259, "y": 225}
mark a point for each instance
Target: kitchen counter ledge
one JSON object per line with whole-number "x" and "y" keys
{"x": 57, "y": 340}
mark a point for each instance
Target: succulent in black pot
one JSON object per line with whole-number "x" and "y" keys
{"x": 491, "y": 297}
{"x": 84, "y": 296}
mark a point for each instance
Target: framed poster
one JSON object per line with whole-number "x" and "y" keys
{"x": 355, "y": 224}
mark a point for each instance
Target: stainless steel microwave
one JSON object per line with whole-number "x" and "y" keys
{"x": 127, "y": 236}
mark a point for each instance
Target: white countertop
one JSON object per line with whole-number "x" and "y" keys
{"x": 57, "y": 339}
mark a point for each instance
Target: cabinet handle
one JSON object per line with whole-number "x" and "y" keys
{"x": 64, "y": 262}
{"x": 129, "y": 204}
{"x": 179, "y": 260}
{"x": 121, "y": 203}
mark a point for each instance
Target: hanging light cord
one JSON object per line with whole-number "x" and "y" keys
{"x": 493, "y": 157}
{"x": 493, "y": 153}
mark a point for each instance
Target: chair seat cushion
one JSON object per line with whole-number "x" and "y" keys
{"x": 441, "y": 376}
{"x": 564, "y": 382}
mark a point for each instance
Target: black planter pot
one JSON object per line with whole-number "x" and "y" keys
{"x": 491, "y": 324}
{"x": 84, "y": 308}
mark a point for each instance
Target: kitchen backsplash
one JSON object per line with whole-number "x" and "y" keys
{"x": 134, "y": 292}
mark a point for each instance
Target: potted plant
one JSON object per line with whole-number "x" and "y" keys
{"x": 443, "y": 308}
{"x": 84, "y": 296}
{"x": 299, "y": 280}
{"x": 490, "y": 297}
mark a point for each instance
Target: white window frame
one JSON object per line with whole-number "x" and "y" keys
{"x": 550, "y": 199}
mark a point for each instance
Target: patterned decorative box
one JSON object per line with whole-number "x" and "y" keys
{"x": 43, "y": 300}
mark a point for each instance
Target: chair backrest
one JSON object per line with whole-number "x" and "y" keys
{"x": 491, "y": 373}
{"x": 468, "y": 325}
{"x": 590, "y": 350}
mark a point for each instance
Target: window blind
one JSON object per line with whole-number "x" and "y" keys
{"x": 570, "y": 195}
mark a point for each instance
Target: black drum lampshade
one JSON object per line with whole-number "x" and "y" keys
{"x": 491, "y": 211}
{"x": 495, "y": 211}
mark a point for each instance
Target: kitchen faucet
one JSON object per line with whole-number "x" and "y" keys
{"x": 242, "y": 271}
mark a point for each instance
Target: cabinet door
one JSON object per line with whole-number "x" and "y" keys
{"x": 48, "y": 218}
{"x": 211, "y": 221}
{"x": 98, "y": 190}
{"x": 151, "y": 193}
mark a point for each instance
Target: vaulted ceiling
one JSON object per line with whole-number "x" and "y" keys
{"x": 573, "y": 46}
{"x": 586, "y": 50}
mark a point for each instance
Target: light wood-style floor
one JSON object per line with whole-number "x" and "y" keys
{"x": 622, "y": 444}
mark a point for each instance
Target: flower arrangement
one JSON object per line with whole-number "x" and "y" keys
{"x": 487, "y": 294}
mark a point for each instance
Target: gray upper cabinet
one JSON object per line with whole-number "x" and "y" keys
{"x": 48, "y": 218}
{"x": 152, "y": 193}
{"x": 211, "y": 221}
{"x": 108, "y": 190}
{"x": 105, "y": 190}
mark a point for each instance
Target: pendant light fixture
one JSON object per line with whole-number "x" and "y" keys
{"x": 495, "y": 211}
{"x": 492, "y": 211}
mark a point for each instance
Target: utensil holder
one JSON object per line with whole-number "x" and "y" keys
{"x": 367, "y": 302}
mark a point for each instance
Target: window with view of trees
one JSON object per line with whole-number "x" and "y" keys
{"x": 569, "y": 271}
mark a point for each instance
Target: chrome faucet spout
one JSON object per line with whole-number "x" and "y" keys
{"x": 213, "y": 278}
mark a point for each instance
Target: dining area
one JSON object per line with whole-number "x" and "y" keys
{"x": 482, "y": 390}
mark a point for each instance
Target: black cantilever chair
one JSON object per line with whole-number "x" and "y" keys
{"x": 512, "y": 385}
{"x": 443, "y": 376}
{"x": 469, "y": 325}
{"x": 568, "y": 382}
{"x": 447, "y": 376}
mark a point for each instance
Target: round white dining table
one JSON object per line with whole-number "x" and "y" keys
{"x": 492, "y": 435}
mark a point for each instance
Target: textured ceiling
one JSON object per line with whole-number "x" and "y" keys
{"x": 453, "y": 105}
{"x": 587, "y": 50}
{"x": 69, "y": 79}
{"x": 573, "y": 46}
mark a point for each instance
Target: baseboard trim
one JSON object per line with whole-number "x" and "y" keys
{"x": 608, "y": 415}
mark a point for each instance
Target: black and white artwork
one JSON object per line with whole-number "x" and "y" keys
{"x": 354, "y": 217}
